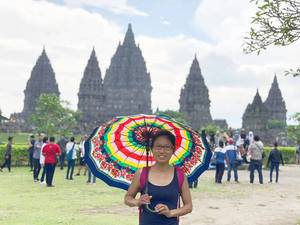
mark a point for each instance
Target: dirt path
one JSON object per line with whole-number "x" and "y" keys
{"x": 245, "y": 204}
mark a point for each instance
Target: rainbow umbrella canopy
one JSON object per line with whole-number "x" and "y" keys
{"x": 115, "y": 150}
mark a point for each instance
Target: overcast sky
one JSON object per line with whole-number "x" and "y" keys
{"x": 169, "y": 32}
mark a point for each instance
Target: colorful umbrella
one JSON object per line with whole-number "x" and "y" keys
{"x": 115, "y": 150}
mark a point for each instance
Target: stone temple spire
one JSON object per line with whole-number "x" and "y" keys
{"x": 42, "y": 80}
{"x": 194, "y": 98}
{"x": 275, "y": 103}
{"x": 255, "y": 117}
{"x": 127, "y": 83}
{"x": 129, "y": 37}
{"x": 90, "y": 96}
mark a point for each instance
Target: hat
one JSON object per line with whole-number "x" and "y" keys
{"x": 230, "y": 141}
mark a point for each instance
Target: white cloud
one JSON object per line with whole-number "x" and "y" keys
{"x": 69, "y": 34}
{"x": 233, "y": 76}
{"x": 165, "y": 22}
{"x": 115, "y": 6}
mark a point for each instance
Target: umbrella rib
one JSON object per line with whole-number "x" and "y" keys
{"x": 151, "y": 126}
{"x": 133, "y": 121}
{"x": 135, "y": 150}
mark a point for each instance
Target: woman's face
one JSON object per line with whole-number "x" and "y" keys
{"x": 162, "y": 149}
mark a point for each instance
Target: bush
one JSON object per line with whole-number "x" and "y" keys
{"x": 288, "y": 154}
{"x": 19, "y": 154}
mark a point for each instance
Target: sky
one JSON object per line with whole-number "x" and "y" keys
{"x": 169, "y": 33}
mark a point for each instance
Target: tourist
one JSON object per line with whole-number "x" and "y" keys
{"x": 298, "y": 152}
{"x": 82, "y": 153}
{"x": 231, "y": 158}
{"x": 220, "y": 154}
{"x": 71, "y": 153}
{"x": 275, "y": 158}
{"x": 62, "y": 144}
{"x": 36, "y": 158}
{"x": 193, "y": 184}
{"x": 256, "y": 159}
{"x": 42, "y": 160}
{"x": 31, "y": 142}
{"x": 51, "y": 151}
{"x": 91, "y": 177}
{"x": 160, "y": 204}
{"x": 7, "y": 155}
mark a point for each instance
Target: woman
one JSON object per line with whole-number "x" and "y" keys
{"x": 163, "y": 187}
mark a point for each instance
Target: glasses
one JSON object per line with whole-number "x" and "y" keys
{"x": 163, "y": 147}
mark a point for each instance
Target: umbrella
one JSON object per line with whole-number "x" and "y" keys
{"x": 116, "y": 149}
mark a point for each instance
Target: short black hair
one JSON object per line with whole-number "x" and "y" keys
{"x": 52, "y": 139}
{"x": 31, "y": 136}
{"x": 275, "y": 144}
{"x": 72, "y": 139}
{"x": 221, "y": 143}
{"x": 45, "y": 139}
{"x": 163, "y": 133}
{"x": 10, "y": 138}
{"x": 256, "y": 138}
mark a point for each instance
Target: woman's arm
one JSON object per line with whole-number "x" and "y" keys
{"x": 186, "y": 199}
{"x": 133, "y": 189}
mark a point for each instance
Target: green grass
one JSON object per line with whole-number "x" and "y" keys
{"x": 19, "y": 138}
{"x": 24, "y": 202}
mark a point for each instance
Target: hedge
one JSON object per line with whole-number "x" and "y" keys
{"x": 288, "y": 154}
{"x": 20, "y": 154}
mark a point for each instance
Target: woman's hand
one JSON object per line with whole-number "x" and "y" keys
{"x": 163, "y": 210}
{"x": 144, "y": 199}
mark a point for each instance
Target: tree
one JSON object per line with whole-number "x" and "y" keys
{"x": 211, "y": 129}
{"x": 179, "y": 117}
{"x": 294, "y": 130}
{"x": 276, "y": 124}
{"x": 52, "y": 116}
{"x": 276, "y": 22}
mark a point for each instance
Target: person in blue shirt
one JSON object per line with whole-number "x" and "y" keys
{"x": 231, "y": 157}
{"x": 220, "y": 154}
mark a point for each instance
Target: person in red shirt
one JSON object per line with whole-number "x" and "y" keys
{"x": 50, "y": 151}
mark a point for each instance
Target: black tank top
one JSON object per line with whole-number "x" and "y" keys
{"x": 167, "y": 195}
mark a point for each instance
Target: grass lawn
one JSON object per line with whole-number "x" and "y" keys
{"x": 24, "y": 202}
{"x": 20, "y": 138}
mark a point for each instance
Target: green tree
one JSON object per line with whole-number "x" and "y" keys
{"x": 178, "y": 116}
{"x": 53, "y": 116}
{"x": 276, "y": 124}
{"x": 211, "y": 129}
{"x": 276, "y": 22}
{"x": 294, "y": 130}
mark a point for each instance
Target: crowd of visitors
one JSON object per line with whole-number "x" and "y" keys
{"x": 247, "y": 149}
{"x": 229, "y": 153}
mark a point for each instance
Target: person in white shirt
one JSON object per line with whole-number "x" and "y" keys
{"x": 71, "y": 153}
{"x": 42, "y": 160}
{"x": 82, "y": 153}
{"x": 220, "y": 154}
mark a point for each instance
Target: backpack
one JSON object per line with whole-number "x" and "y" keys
{"x": 144, "y": 177}
{"x": 70, "y": 153}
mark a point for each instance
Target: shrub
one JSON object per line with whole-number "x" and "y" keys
{"x": 288, "y": 154}
{"x": 19, "y": 154}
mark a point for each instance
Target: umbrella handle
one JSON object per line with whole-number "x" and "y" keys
{"x": 147, "y": 168}
{"x": 148, "y": 208}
